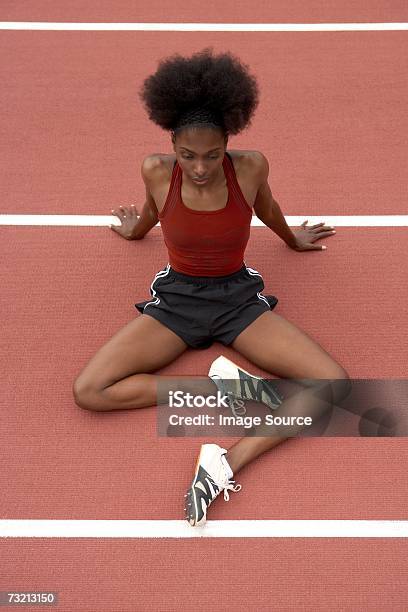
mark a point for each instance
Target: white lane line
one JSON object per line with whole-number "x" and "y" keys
{"x": 204, "y": 27}
{"x": 33, "y": 528}
{"x": 294, "y": 221}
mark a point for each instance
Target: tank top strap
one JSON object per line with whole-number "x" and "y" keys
{"x": 173, "y": 192}
{"x": 233, "y": 184}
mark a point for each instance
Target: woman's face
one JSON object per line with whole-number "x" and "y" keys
{"x": 200, "y": 153}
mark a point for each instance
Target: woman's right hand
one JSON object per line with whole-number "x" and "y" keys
{"x": 129, "y": 219}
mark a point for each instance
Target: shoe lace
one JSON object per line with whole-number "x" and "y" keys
{"x": 231, "y": 487}
{"x": 236, "y": 409}
{"x": 233, "y": 400}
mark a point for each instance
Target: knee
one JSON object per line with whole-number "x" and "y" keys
{"x": 85, "y": 395}
{"x": 332, "y": 383}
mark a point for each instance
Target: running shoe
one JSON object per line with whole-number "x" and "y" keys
{"x": 238, "y": 384}
{"x": 212, "y": 475}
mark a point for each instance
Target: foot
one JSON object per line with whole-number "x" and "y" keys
{"x": 237, "y": 383}
{"x": 212, "y": 475}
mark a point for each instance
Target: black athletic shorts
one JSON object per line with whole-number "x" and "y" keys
{"x": 206, "y": 309}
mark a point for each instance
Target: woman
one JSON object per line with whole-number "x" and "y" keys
{"x": 204, "y": 198}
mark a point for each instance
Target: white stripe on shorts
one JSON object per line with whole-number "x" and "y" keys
{"x": 160, "y": 274}
{"x": 263, "y": 298}
{"x": 253, "y": 272}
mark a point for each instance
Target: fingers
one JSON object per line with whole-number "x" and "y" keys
{"x": 322, "y": 226}
{"x": 133, "y": 210}
{"x": 323, "y": 234}
{"x": 118, "y": 214}
{"x": 128, "y": 217}
{"x": 124, "y": 212}
{"x": 121, "y": 212}
{"x": 319, "y": 226}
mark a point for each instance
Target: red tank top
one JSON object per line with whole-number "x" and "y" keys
{"x": 206, "y": 243}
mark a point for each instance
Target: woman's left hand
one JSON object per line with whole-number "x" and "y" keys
{"x": 306, "y": 236}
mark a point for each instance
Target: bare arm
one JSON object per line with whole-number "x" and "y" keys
{"x": 267, "y": 209}
{"x": 146, "y": 221}
{"x": 148, "y": 217}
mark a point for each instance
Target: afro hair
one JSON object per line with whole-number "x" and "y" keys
{"x": 220, "y": 84}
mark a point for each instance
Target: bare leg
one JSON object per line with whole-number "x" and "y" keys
{"x": 279, "y": 347}
{"x": 116, "y": 376}
{"x": 140, "y": 390}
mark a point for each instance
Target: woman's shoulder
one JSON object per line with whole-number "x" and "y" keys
{"x": 249, "y": 164}
{"x": 247, "y": 160}
{"x": 155, "y": 163}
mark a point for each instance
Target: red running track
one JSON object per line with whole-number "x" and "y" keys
{"x": 330, "y": 122}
